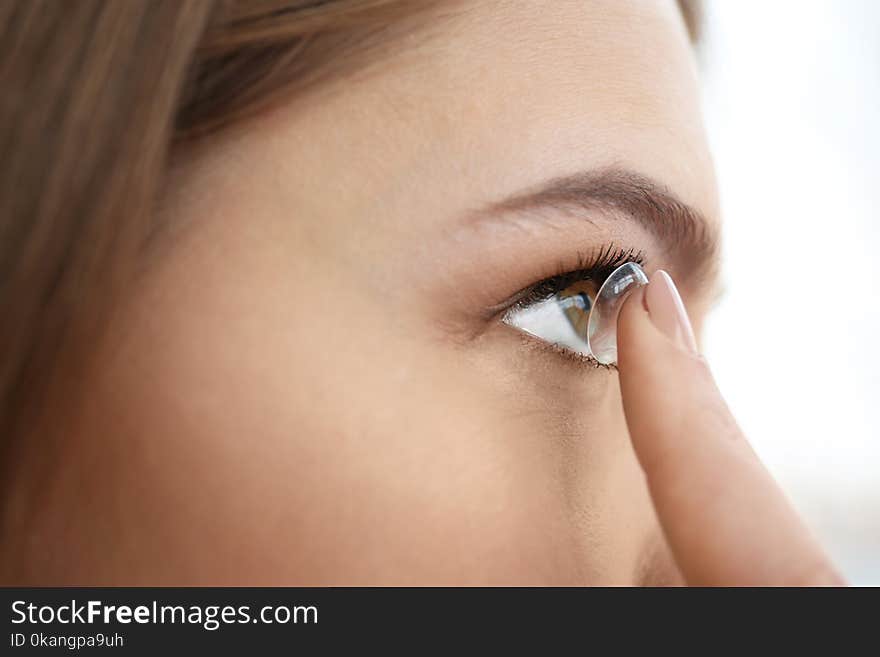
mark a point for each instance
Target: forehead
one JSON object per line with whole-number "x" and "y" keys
{"x": 476, "y": 100}
{"x": 508, "y": 92}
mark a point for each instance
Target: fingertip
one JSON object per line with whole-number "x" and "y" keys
{"x": 630, "y": 322}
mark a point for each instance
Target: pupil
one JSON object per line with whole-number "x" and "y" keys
{"x": 585, "y": 301}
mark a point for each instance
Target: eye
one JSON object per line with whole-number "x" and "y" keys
{"x": 559, "y": 319}
{"x": 578, "y": 310}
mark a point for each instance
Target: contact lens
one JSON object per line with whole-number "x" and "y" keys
{"x": 602, "y": 323}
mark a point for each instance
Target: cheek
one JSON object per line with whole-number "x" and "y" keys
{"x": 572, "y": 415}
{"x": 236, "y": 439}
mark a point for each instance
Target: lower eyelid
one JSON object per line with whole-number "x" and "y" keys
{"x": 536, "y": 344}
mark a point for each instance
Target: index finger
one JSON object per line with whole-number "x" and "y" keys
{"x": 726, "y": 520}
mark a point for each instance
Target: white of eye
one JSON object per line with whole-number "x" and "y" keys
{"x": 547, "y": 320}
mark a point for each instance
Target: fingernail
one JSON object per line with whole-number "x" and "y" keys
{"x": 667, "y": 311}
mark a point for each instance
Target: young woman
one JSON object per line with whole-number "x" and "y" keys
{"x": 261, "y": 268}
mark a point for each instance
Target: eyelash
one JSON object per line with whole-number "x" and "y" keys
{"x": 595, "y": 268}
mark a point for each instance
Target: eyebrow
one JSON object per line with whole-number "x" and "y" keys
{"x": 682, "y": 231}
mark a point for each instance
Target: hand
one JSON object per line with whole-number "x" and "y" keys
{"x": 724, "y": 517}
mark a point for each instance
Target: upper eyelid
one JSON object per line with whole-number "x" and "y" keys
{"x": 606, "y": 260}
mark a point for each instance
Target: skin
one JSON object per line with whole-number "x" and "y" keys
{"x": 306, "y": 385}
{"x": 726, "y": 520}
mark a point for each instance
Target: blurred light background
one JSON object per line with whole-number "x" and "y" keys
{"x": 792, "y": 96}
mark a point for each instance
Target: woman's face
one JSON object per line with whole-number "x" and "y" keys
{"x": 312, "y": 383}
